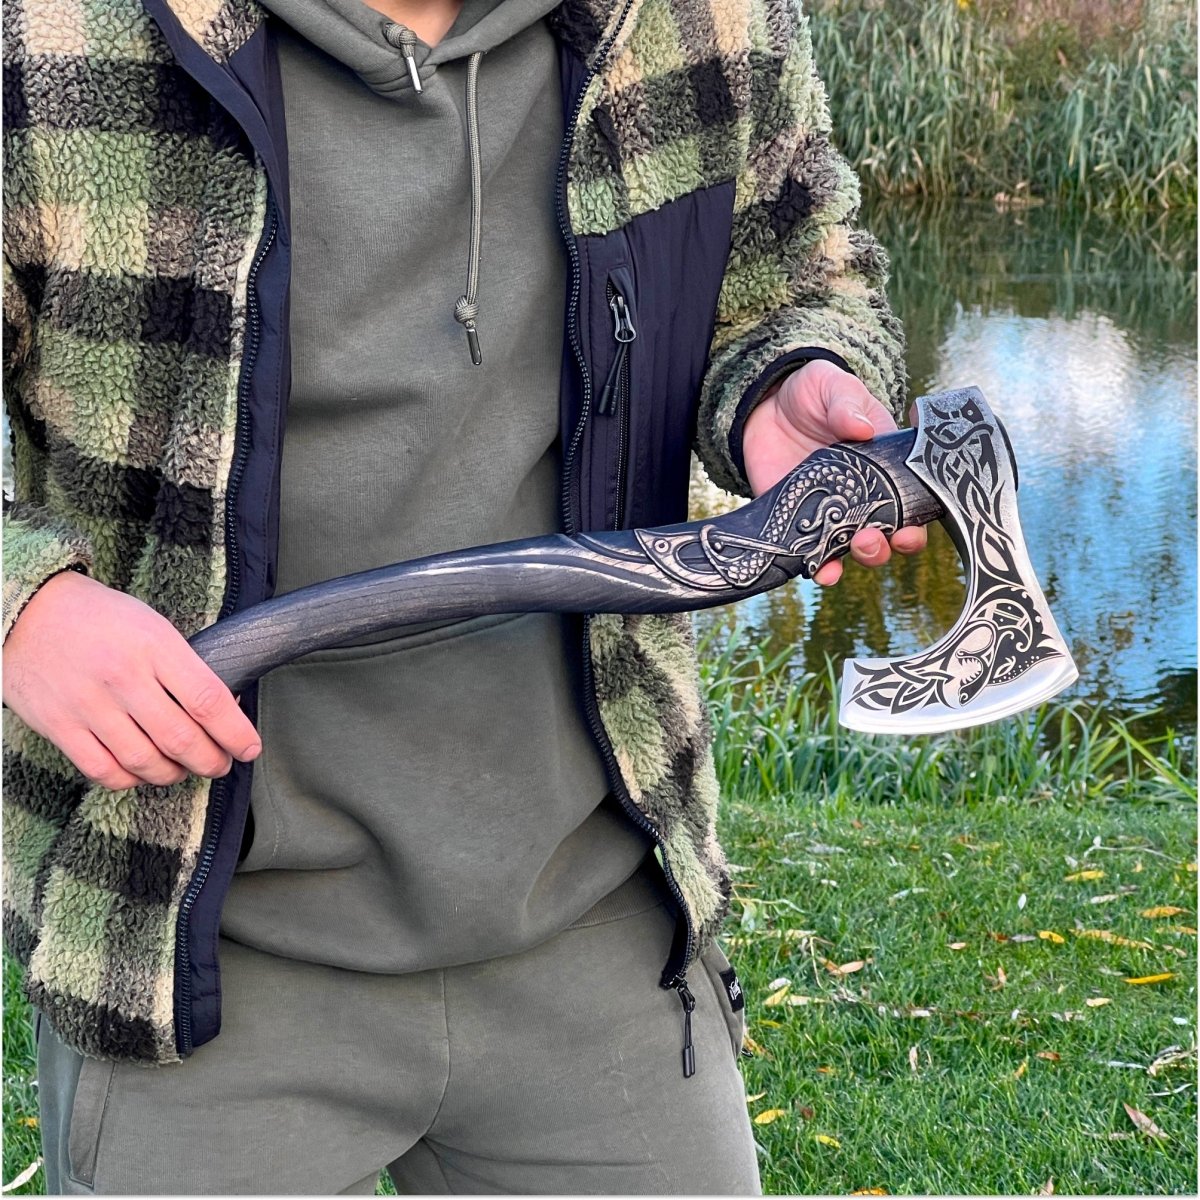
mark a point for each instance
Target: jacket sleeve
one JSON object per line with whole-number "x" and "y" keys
{"x": 37, "y": 544}
{"x": 801, "y": 281}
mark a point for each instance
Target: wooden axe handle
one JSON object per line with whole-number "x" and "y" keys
{"x": 805, "y": 520}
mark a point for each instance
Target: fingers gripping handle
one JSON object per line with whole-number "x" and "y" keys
{"x": 805, "y": 520}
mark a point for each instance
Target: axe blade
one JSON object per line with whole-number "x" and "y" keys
{"x": 1005, "y": 653}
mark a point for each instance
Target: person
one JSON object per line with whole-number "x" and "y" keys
{"x": 444, "y": 901}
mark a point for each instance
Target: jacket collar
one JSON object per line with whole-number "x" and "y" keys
{"x": 221, "y": 27}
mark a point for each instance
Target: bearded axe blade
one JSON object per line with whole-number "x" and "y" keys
{"x": 1005, "y": 653}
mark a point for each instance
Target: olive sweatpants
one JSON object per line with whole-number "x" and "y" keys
{"x": 556, "y": 1070}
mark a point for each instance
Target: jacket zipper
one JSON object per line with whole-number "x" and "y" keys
{"x": 216, "y": 800}
{"x": 675, "y": 972}
{"x": 615, "y": 395}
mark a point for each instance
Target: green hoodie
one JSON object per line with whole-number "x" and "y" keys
{"x": 407, "y": 814}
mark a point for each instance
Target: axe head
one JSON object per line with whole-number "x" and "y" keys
{"x": 1004, "y": 653}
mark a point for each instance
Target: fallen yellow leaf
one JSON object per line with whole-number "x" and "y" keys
{"x": 1047, "y": 1188}
{"x": 769, "y": 1024}
{"x": 1097, "y": 1001}
{"x": 756, "y": 1096}
{"x": 826, "y": 1140}
{"x": 30, "y": 1122}
{"x": 1115, "y": 939}
{"x": 1048, "y": 935}
{"x": 826, "y": 1071}
{"x": 1162, "y": 910}
{"x": 958, "y": 945}
{"x": 848, "y": 968}
{"x": 1081, "y": 876}
{"x": 771, "y": 1114}
{"x": 1162, "y": 977}
{"x": 1021, "y": 1069}
{"x": 871, "y": 1192}
{"x": 1183, "y": 929}
{"x": 754, "y": 1047}
{"x": 1143, "y": 1122}
{"x": 777, "y": 997}
{"x": 1049, "y": 1056}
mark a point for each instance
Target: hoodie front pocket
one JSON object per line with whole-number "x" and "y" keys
{"x": 87, "y": 1118}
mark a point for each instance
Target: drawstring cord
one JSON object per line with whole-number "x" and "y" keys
{"x": 467, "y": 308}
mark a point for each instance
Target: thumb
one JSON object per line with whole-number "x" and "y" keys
{"x": 854, "y": 417}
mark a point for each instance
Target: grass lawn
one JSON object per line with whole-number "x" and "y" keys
{"x": 941, "y": 942}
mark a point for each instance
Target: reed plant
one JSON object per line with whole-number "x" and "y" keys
{"x": 777, "y": 734}
{"x": 939, "y": 98}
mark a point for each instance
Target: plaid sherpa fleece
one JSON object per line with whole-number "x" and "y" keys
{"x": 133, "y": 209}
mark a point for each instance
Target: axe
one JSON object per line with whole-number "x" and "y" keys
{"x": 1004, "y": 653}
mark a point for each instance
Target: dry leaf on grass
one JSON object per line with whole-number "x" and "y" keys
{"x": 756, "y": 1096}
{"x": 1020, "y": 1071}
{"x": 1172, "y": 1056}
{"x": 1047, "y": 1188}
{"x": 1161, "y": 977}
{"x": 1050, "y": 1055}
{"x": 750, "y": 1044}
{"x": 24, "y": 1177}
{"x": 1097, "y": 1001}
{"x": 1084, "y": 876}
{"x": 846, "y": 968}
{"x": 826, "y": 1140}
{"x": 1113, "y": 939}
{"x": 871, "y": 1192}
{"x": 958, "y": 945}
{"x": 1161, "y": 910}
{"x": 1144, "y": 1123}
{"x": 1048, "y": 935}
{"x": 770, "y": 1115}
{"x": 914, "y": 1055}
{"x": 777, "y": 997}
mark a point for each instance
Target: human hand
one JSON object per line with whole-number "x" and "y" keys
{"x": 815, "y": 406}
{"x": 116, "y": 687}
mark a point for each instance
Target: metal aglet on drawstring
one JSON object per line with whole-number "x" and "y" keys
{"x": 402, "y": 36}
{"x": 467, "y": 308}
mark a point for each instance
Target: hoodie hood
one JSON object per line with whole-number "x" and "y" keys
{"x": 368, "y": 42}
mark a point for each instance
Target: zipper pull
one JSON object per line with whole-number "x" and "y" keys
{"x": 402, "y": 36}
{"x": 623, "y": 329}
{"x": 623, "y": 333}
{"x": 689, "y": 1003}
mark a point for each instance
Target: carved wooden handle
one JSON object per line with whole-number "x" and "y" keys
{"x": 804, "y": 521}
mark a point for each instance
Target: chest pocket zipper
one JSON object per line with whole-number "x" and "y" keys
{"x": 615, "y": 394}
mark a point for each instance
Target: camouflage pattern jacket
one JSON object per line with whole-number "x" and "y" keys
{"x": 146, "y": 371}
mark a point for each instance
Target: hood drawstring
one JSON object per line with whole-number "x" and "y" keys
{"x": 467, "y": 307}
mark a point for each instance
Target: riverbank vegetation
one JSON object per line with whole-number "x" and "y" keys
{"x": 1088, "y": 102}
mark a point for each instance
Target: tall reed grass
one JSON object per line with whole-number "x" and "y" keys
{"x": 777, "y": 735}
{"x": 934, "y": 98}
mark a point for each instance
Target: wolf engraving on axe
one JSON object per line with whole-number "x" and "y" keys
{"x": 1003, "y": 654}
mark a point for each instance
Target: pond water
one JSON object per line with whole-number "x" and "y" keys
{"x": 1081, "y": 332}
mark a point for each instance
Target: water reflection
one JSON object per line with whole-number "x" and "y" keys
{"x": 1082, "y": 335}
